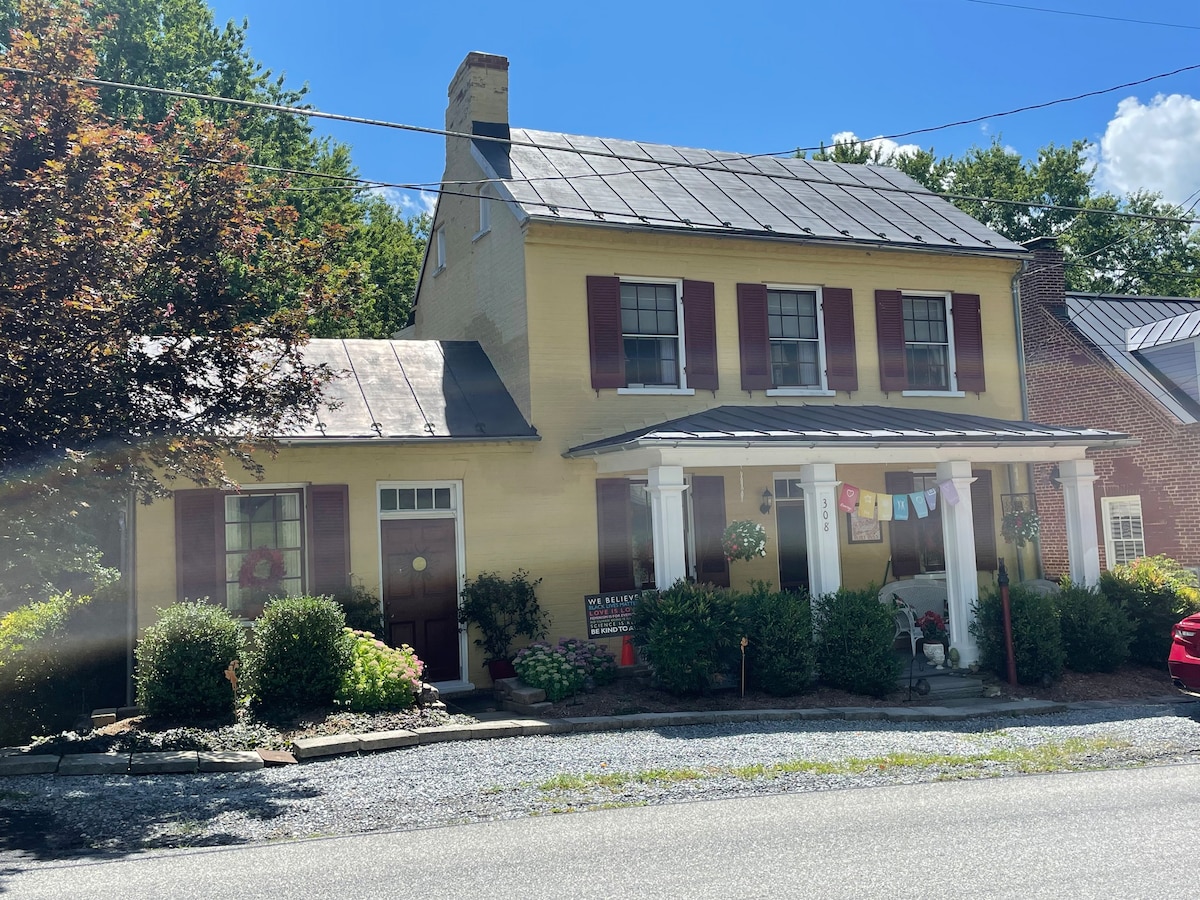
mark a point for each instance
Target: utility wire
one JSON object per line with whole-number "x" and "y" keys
{"x": 1083, "y": 15}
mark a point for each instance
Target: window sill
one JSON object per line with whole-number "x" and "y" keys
{"x": 438, "y": 271}
{"x": 477, "y": 235}
{"x": 800, "y": 392}
{"x": 933, "y": 394}
{"x": 668, "y": 391}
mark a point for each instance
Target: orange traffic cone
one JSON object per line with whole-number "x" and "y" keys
{"x": 627, "y": 657}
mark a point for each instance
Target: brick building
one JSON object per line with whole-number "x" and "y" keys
{"x": 1129, "y": 364}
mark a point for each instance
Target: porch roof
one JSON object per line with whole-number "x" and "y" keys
{"x": 846, "y": 427}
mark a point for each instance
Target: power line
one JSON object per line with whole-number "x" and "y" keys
{"x": 1083, "y": 15}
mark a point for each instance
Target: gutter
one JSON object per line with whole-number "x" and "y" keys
{"x": 410, "y": 441}
{"x": 873, "y": 443}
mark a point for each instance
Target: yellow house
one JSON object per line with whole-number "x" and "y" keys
{"x": 661, "y": 341}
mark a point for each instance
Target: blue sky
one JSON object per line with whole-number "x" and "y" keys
{"x": 755, "y": 75}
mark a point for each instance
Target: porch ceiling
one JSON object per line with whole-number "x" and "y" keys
{"x": 801, "y": 434}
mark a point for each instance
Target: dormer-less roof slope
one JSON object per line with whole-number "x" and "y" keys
{"x": 605, "y": 181}
{"x": 411, "y": 391}
{"x": 1121, "y": 327}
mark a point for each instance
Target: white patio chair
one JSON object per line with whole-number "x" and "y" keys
{"x": 916, "y": 597}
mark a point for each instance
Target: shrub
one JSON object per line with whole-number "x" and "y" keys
{"x": 687, "y": 634}
{"x": 502, "y": 609}
{"x": 551, "y": 669}
{"x": 778, "y": 628}
{"x": 362, "y": 609}
{"x": 181, "y": 662}
{"x": 1155, "y": 592}
{"x": 598, "y": 663}
{"x": 299, "y": 654}
{"x": 1095, "y": 630}
{"x": 1037, "y": 635}
{"x": 379, "y": 677}
{"x": 855, "y": 642}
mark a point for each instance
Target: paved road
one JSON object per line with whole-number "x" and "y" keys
{"x": 1125, "y": 834}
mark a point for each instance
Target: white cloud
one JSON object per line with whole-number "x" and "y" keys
{"x": 888, "y": 148}
{"x": 408, "y": 202}
{"x": 1154, "y": 147}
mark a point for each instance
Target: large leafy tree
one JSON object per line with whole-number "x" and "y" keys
{"x": 1104, "y": 253}
{"x": 140, "y": 330}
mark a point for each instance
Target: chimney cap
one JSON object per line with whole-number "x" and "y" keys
{"x": 476, "y": 59}
{"x": 1041, "y": 243}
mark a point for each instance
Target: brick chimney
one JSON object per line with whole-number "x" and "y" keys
{"x": 478, "y": 95}
{"x": 1043, "y": 284}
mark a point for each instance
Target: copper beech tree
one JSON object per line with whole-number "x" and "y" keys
{"x": 136, "y": 347}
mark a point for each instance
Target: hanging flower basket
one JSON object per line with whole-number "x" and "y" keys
{"x": 262, "y": 568}
{"x": 744, "y": 540}
{"x": 1021, "y": 526}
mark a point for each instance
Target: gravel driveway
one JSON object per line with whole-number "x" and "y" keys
{"x": 48, "y": 817}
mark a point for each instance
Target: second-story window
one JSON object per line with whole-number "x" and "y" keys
{"x": 650, "y": 331}
{"x": 926, "y": 343}
{"x": 795, "y": 338}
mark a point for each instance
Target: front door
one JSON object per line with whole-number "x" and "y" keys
{"x": 793, "y": 547}
{"x": 420, "y": 592}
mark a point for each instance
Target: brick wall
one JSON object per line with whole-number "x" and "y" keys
{"x": 1071, "y": 383}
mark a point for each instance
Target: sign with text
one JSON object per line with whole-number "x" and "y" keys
{"x": 610, "y": 615}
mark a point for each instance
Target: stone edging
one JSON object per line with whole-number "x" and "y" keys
{"x": 14, "y": 762}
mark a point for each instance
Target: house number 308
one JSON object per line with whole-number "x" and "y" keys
{"x": 825, "y": 514}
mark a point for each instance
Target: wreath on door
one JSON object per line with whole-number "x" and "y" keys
{"x": 261, "y": 569}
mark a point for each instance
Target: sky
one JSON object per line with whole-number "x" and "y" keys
{"x": 756, "y": 76}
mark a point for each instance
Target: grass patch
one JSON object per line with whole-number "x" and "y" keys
{"x": 1061, "y": 756}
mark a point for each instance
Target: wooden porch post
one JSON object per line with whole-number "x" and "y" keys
{"x": 1079, "y": 498}
{"x": 958, "y": 532}
{"x": 666, "y": 487}
{"x": 819, "y": 483}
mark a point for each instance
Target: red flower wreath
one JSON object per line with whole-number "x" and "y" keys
{"x": 248, "y": 574}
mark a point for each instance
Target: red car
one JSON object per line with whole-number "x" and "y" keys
{"x": 1184, "y": 659}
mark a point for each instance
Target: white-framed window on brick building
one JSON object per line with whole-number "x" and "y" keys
{"x": 1124, "y": 535}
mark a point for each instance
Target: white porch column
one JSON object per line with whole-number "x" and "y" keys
{"x": 958, "y": 534}
{"x": 1079, "y": 498}
{"x": 666, "y": 487}
{"x": 819, "y": 483}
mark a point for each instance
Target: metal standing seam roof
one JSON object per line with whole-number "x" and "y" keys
{"x": 659, "y": 186}
{"x": 833, "y": 425}
{"x": 419, "y": 391}
{"x": 1121, "y": 326}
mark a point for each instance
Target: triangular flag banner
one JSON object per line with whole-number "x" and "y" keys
{"x": 931, "y": 498}
{"x": 949, "y": 492}
{"x": 900, "y": 506}
{"x": 885, "y": 507}
{"x": 920, "y": 507}
{"x": 866, "y": 505}
{"x": 848, "y": 498}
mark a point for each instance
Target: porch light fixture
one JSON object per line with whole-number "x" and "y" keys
{"x": 767, "y": 500}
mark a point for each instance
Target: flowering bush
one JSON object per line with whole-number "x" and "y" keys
{"x": 744, "y": 540}
{"x": 380, "y": 677}
{"x": 1021, "y": 526}
{"x": 548, "y": 668}
{"x": 600, "y": 665}
{"x": 933, "y": 627}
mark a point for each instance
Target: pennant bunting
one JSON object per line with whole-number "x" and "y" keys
{"x": 900, "y": 507}
{"x": 931, "y": 498}
{"x": 919, "y": 506}
{"x": 848, "y": 498}
{"x": 949, "y": 492}
{"x": 885, "y": 507}
{"x": 866, "y": 505}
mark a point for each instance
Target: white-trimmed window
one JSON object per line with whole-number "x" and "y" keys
{"x": 794, "y": 328}
{"x": 264, "y": 546}
{"x": 485, "y": 216}
{"x": 1124, "y": 536}
{"x": 652, "y": 333}
{"x": 412, "y": 499}
{"x": 439, "y": 243}
{"x": 928, "y": 342}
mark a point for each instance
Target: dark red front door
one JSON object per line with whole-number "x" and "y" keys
{"x": 420, "y": 592}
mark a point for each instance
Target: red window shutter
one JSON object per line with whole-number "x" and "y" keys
{"x": 983, "y": 515}
{"x": 200, "y": 545}
{"x": 889, "y": 329}
{"x": 604, "y": 331}
{"x": 329, "y": 538}
{"x": 841, "y": 363}
{"x": 615, "y": 534}
{"x": 700, "y": 334}
{"x": 754, "y": 337}
{"x": 708, "y": 513}
{"x": 904, "y": 533}
{"x": 968, "y": 342}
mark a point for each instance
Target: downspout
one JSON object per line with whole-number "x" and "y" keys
{"x": 1016, "y": 295}
{"x": 127, "y": 561}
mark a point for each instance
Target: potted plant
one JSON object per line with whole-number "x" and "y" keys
{"x": 502, "y": 609}
{"x": 936, "y": 637}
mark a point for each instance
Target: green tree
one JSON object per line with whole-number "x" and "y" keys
{"x": 126, "y": 270}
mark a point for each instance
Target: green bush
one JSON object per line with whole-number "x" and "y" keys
{"x": 181, "y": 662}
{"x": 32, "y": 667}
{"x": 1037, "y": 635}
{"x": 362, "y": 609}
{"x": 502, "y": 609}
{"x": 1155, "y": 592}
{"x": 549, "y": 668}
{"x": 379, "y": 677}
{"x": 855, "y": 642}
{"x": 778, "y": 627}
{"x": 1095, "y": 630}
{"x": 299, "y": 654}
{"x": 687, "y": 634}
